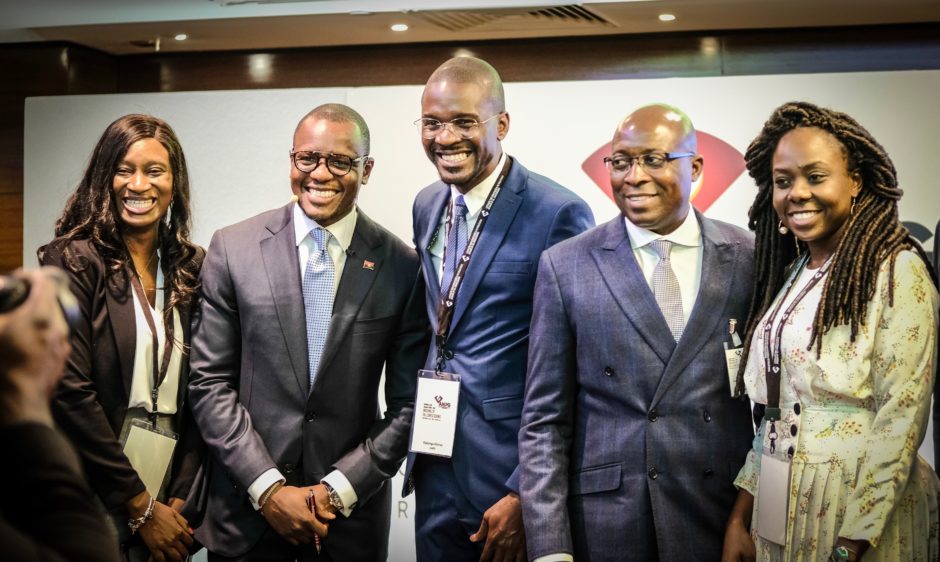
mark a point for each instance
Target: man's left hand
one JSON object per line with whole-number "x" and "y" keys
{"x": 503, "y": 532}
{"x": 321, "y": 503}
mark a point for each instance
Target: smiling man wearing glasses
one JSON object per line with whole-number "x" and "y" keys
{"x": 630, "y": 438}
{"x": 301, "y": 308}
{"x": 479, "y": 232}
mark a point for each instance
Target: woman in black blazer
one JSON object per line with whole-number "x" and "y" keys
{"x": 124, "y": 231}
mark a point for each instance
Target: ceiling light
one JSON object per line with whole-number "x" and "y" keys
{"x": 399, "y": 27}
{"x": 181, "y": 37}
{"x": 667, "y": 17}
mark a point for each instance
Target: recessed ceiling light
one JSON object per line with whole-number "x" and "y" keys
{"x": 399, "y": 27}
{"x": 667, "y": 17}
{"x": 181, "y": 37}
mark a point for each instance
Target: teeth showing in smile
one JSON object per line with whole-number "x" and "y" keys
{"x": 455, "y": 158}
{"x": 138, "y": 203}
{"x": 638, "y": 197}
{"x": 803, "y": 215}
{"x": 322, "y": 192}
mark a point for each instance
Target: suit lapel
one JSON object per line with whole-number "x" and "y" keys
{"x": 497, "y": 226}
{"x": 718, "y": 258}
{"x": 436, "y": 208}
{"x": 124, "y": 325}
{"x": 279, "y": 254}
{"x": 626, "y": 282}
{"x": 354, "y": 285}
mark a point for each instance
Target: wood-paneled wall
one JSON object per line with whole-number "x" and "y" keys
{"x": 59, "y": 69}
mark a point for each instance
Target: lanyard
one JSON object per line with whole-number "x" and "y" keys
{"x": 772, "y": 348}
{"x": 158, "y": 375}
{"x": 445, "y": 309}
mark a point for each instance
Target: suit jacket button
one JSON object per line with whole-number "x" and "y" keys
{"x": 448, "y": 354}
{"x": 311, "y": 416}
{"x": 707, "y": 416}
{"x": 653, "y": 415}
{"x": 608, "y": 371}
{"x": 288, "y": 468}
{"x": 708, "y": 473}
{"x": 653, "y": 473}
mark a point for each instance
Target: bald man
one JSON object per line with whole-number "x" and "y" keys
{"x": 630, "y": 439}
{"x": 467, "y": 504}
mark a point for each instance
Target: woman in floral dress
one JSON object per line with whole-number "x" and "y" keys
{"x": 845, "y": 312}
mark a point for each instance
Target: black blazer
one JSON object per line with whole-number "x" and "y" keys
{"x": 90, "y": 403}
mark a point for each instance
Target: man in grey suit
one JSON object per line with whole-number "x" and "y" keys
{"x": 301, "y": 307}
{"x": 630, "y": 439}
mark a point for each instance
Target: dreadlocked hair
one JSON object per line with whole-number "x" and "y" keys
{"x": 873, "y": 234}
{"x": 91, "y": 212}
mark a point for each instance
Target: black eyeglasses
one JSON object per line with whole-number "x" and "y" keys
{"x": 650, "y": 162}
{"x": 463, "y": 127}
{"x": 338, "y": 164}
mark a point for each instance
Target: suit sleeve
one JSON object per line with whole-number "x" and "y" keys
{"x": 190, "y": 452}
{"x": 75, "y": 404}
{"x": 547, "y": 419}
{"x": 215, "y": 363}
{"x": 571, "y": 219}
{"x": 46, "y": 510}
{"x": 378, "y": 457}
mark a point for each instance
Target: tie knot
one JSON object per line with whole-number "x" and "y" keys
{"x": 321, "y": 236}
{"x": 662, "y": 248}
{"x": 460, "y": 207}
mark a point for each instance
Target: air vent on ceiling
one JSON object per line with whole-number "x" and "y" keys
{"x": 550, "y": 17}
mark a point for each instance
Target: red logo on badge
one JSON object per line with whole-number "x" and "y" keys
{"x": 440, "y": 402}
{"x": 723, "y": 165}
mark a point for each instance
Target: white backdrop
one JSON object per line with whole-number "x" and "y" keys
{"x": 237, "y": 143}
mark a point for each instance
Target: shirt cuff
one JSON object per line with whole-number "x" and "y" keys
{"x": 338, "y": 481}
{"x": 557, "y": 557}
{"x": 262, "y": 483}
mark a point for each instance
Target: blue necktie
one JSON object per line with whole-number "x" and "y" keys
{"x": 318, "y": 298}
{"x": 456, "y": 242}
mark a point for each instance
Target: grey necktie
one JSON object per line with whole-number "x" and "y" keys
{"x": 666, "y": 288}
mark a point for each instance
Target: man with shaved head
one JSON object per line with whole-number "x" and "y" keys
{"x": 630, "y": 438}
{"x": 300, "y": 309}
{"x": 479, "y": 232}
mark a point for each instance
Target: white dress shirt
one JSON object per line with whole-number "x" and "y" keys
{"x": 685, "y": 257}
{"x": 142, "y": 377}
{"x": 342, "y": 233}
{"x": 474, "y": 200}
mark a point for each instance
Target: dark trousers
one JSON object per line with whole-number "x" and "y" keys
{"x": 444, "y": 516}
{"x": 272, "y": 548}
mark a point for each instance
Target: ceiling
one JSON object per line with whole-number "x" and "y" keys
{"x": 141, "y": 26}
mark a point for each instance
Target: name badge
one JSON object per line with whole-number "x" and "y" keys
{"x": 733, "y": 351}
{"x": 435, "y": 420}
{"x": 773, "y": 495}
{"x": 149, "y": 450}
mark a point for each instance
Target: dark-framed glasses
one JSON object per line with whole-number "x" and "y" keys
{"x": 463, "y": 127}
{"x": 651, "y": 161}
{"x": 338, "y": 164}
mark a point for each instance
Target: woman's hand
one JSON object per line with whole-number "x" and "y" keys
{"x": 739, "y": 547}
{"x": 166, "y": 534}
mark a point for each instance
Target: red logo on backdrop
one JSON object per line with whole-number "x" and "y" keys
{"x": 723, "y": 165}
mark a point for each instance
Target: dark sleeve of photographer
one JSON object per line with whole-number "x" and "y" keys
{"x": 45, "y": 512}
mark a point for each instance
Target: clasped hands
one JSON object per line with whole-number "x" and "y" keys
{"x": 289, "y": 514}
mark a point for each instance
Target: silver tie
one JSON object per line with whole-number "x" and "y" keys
{"x": 666, "y": 288}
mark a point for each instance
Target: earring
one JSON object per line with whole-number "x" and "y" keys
{"x": 852, "y": 209}
{"x": 782, "y": 229}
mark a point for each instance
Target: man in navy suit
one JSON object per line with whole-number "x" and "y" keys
{"x": 630, "y": 439}
{"x": 467, "y": 505}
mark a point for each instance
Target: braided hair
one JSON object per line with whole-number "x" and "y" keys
{"x": 91, "y": 211}
{"x": 873, "y": 234}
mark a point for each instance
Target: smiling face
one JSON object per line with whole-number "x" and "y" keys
{"x": 143, "y": 185}
{"x": 813, "y": 189}
{"x": 324, "y": 197}
{"x": 461, "y": 162}
{"x": 659, "y": 200}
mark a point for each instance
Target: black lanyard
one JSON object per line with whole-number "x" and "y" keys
{"x": 772, "y": 349}
{"x": 158, "y": 375}
{"x": 445, "y": 309}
